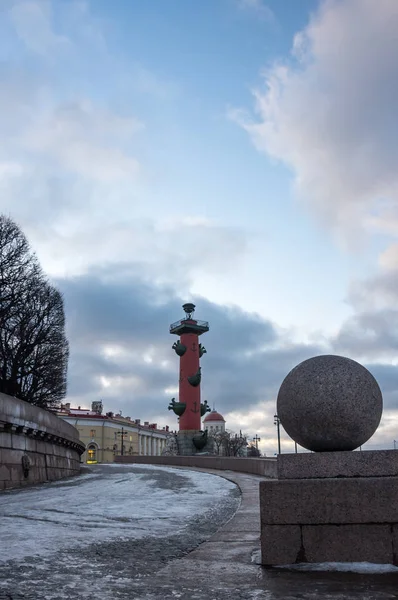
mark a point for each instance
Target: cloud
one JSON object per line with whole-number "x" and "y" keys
{"x": 329, "y": 112}
{"x": 71, "y": 172}
{"x": 371, "y": 333}
{"x": 84, "y": 140}
{"x": 68, "y": 162}
{"x": 257, "y": 7}
{"x": 121, "y": 350}
{"x": 33, "y": 25}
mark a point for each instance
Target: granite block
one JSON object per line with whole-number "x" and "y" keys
{"x": 5, "y": 474}
{"x": 18, "y": 442}
{"x": 280, "y": 544}
{"x": 373, "y": 463}
{"x": 31, "y": 445}
{"x": 348, "y": 543}
{"x": 5, "y": 439}
{"x": 11, "y": 457}
{"x": 324, "y": 501}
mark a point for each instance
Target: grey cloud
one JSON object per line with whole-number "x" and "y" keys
{"x": 372, "y": 331}
{"x": 246, "y": 362}
{"x": 242, "y": 367}
{"x": 387, "y": 378}
{"x": 105, "y": 307}
{"x": 369, "y": 334}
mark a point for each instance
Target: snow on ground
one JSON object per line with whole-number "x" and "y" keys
{"x": 108, "y": 504}
{"x": 343, "y": 567}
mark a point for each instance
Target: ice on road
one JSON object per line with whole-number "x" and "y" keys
{"x": 114, "y": 502}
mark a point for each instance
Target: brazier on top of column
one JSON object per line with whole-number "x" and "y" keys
{"x": 333, "y": 504}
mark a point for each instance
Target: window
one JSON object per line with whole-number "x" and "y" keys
{"x": 92, "y": 433}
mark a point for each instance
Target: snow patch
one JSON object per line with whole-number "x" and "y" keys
{"x": 344, "y": 567}
{"x": 112, "y": 504}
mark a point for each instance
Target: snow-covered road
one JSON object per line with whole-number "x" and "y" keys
{"x": 50, "y": 530}
{"x": 114, "y": 502}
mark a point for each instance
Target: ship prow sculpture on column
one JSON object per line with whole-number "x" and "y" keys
{"x": 189, "y": 408}
{"x": 333, "y": 504}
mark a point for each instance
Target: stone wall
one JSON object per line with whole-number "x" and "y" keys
{"x": 265, "y": 467}
{"x": 35, "y": 445}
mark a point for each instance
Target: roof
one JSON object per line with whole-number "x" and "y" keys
{"x": 81, "y": 414}
{"x": 213, "y": 416}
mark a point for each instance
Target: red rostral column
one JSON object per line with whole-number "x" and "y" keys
{"x": 189, "y": 350}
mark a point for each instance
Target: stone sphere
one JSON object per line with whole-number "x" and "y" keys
{"x": 330, "y": 403}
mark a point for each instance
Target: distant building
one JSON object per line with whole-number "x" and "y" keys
{"x": 103, "y": 434}
{"x": 213, "y": 422}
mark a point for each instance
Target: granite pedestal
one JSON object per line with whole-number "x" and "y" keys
{"x": 331, "y": 507}
{"x": 186, "y": 446}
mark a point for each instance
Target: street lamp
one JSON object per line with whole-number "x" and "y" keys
{"x": 257, "y": 440}
{"x": 277, "y": 422}
{"x": 122, "y": 433}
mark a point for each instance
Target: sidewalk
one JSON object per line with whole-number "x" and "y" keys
{"x": 227, "y": 558}
{"x": 227, "y": 566}
{"x": 224, "y": 566}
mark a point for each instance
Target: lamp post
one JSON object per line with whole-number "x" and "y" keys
{"x": 122, "y": 433}
{"x": 395, "y": 444}
{"x": 277, "y": 422}
{"x": 257, "y": 440}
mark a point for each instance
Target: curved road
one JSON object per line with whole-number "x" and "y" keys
{"x": 88, "y": 537}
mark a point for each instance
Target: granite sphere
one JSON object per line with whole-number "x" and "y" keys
{"x": 329, "y": 403}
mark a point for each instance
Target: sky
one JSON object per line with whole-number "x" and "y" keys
{"x": 239, "y": 154}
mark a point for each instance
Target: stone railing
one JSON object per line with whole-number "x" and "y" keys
{"x": 35, "y": 445}
{"x": 265, "y": 467}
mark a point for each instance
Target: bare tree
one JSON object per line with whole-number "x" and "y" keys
{"x": 236, "y": 443}
{"x": 218, "y": 439}
{"x": 33, "y": 347}
{"x": 229, "y": 443}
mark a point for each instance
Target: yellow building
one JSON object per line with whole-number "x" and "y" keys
{"x": 103, "y": 434}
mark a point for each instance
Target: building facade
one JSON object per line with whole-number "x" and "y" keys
{"x": 107, "y": 435}
{"x": 214, "y": 423}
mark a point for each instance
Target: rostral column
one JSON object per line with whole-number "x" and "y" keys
{"x": 189, "y": 408}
